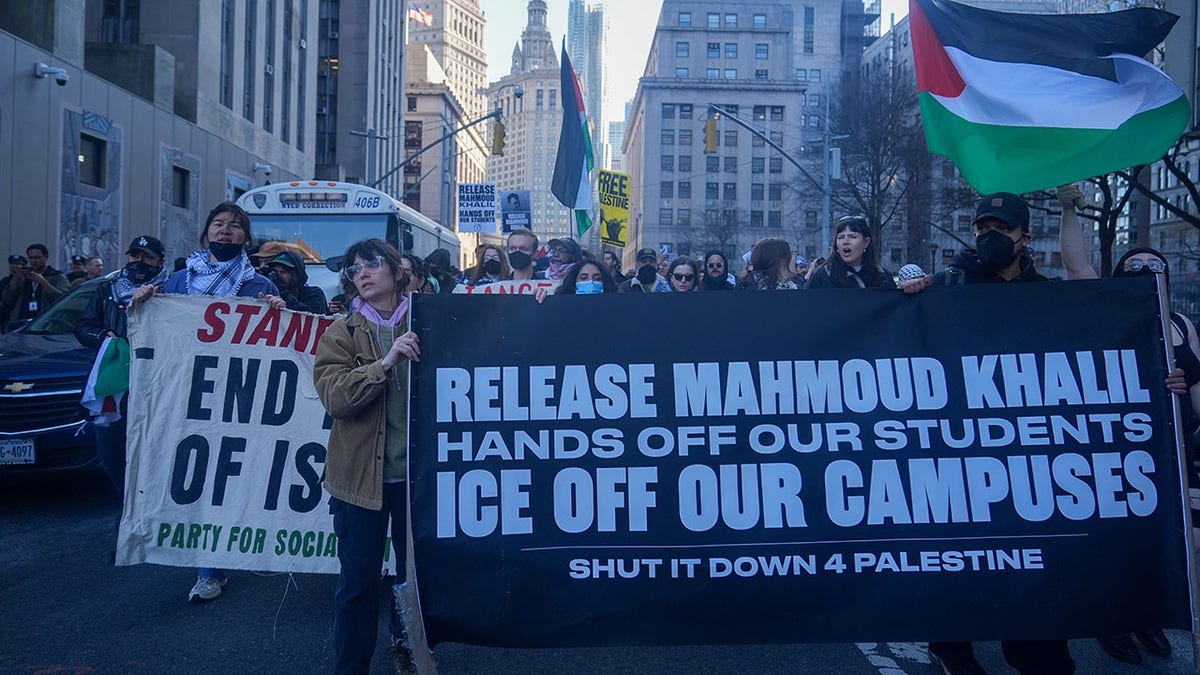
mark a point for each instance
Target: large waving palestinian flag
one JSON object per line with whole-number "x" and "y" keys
{"x": 1022, "y": 102}
{"x": 572, "y": 182}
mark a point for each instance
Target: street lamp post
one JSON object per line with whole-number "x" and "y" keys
{"x": 933, "y": 247}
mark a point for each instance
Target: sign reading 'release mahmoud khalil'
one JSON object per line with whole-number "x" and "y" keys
{"x": 796, "y": 479}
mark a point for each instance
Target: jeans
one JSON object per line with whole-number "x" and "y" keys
{"x": 361, "y": 536}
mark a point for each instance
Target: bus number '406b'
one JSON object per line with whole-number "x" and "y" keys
{"x": 367, "y": 202}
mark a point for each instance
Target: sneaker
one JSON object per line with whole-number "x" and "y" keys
{"x": 206, "y": 588}
{"x": 402, "y": 658}
{"x": 955, "y": 658}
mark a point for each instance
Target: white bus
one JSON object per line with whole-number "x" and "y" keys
{"x": 320, "y": 219}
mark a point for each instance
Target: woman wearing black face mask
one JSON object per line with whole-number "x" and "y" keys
{"x": 223, "y": 268}
{"x": 491, "y": 265}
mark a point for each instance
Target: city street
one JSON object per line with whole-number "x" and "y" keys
{"x": 66, "y": 609}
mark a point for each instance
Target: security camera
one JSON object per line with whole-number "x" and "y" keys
{"x": 60, "y": 75}
{"x": 263, "y": 167}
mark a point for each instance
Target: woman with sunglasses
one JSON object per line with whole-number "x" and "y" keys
{"x": 682, "y": 275}
{"x": 772, "y": 266}
{"x": 1186, "y": 344}
{"x": 854, "y": 262}
{"x": 361, "y": 375}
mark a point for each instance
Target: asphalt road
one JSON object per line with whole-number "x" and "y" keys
{"x": 64, "y": 608}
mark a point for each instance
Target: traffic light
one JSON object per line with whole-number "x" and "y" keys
{"x": 710, "y": 136}
{"x": 498, "y": 139}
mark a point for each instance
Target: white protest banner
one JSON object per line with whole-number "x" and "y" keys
{"x": 526, "y": 287}
{"x": 476, "y": 207}
{"x": 226, "y": 440}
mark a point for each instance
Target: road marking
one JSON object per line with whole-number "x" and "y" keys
{"x": 889, "y": 657}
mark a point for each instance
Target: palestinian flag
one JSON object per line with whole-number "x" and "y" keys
{"x": 572, "y": 183}
{"x": 1023, "y": 102}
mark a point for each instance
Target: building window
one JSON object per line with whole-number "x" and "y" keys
{"x": 802, "y": 75}
{"x": 730, "y": 192}
{"x": 731, "y": 50}
{"x": 667, "y": 189}
{"x": 668, "y": 137}
{"x": 809, "y": 29}
{"x": 776, "y": 113}
{"x": 539, "y": 99}
{"x": 777, "y": 137}
{"x": 412, "y": 103}
{"x": 774, "y": 219}
{"x": 714, "y": 50}
{"x": 712, "y": 164}
{"x": 685, "y": 162}
{"x": 776, "y": 165}
{"x": 685, "y": 19}
{"x": 757, "y": 141}
{"x": 93, "y": 159}
{"x": 668, "y": 111}
{"x": 227, "y": 53}
{"x": 668, "y": 163}
{"x": 665, "y": 216}
{"x": 756, "y": 219}
{"x": 681, "y": 73}
{"x": 685, "y": 136}
{"x": 810, "y": 219}
{"x": 710, "y": 216}
{"x": 681, "y": 49}
{"x": 712, "y": 191}
{"x": 775, "y": 192}
{"x": 731, "y": 165}
{"x": 683, "y": 217}
{"x": 712, "y": 73}
{"x": 814, "y": 100}
{"x": 760, "y": 50}
{"x": 756, "y": 192}
{"x": 685, "y": 189}
{"x": 731, "y": 73}
{"x": 731, "y": 138}
{"x": 760, "y": 21}
{"x": 268, "y": 121}
{"x": 758, "y": 165}
{"x": 181, "y": 180}
{"x": 714, "y": 20}
{"x": 759, "y": 112}
{"x": 814, "y": 75}
{"x": 731, "y": 20}
{"x": 248, "y": 67}
{"x": 760, "y": 74}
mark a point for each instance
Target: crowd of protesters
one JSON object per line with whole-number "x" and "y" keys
{"x": 361, "y": 369}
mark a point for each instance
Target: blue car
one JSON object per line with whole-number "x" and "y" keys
{"x": 43, "y": 370}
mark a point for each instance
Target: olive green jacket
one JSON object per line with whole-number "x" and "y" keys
{"x": 353, "y": 387}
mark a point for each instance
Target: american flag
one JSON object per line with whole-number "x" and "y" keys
{"x": 419, "y": 15}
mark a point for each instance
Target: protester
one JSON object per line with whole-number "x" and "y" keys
{"x": 716, "y": 273}
{"x": 105, "y": 317}
{"x": 261, "y": 254}
{"x": 361, "y": 375}
{"x": 180, "y": 264}
{"x": 15, "y": 263}
{"x": 854, "y": 262}
{"x": 290, "y": 275}
{"x": 490, "y": 266}
{"x": 1186, "y": 346}
{"x": 441, "y": 269}
{"x": 420, "y": 281}
{"x": 93, "y": 268}
{"x": 34, "y": 286}
{"x": 564, "y": 254}
{"x": 78, "y": 269}
{"x": 612, "y": 263}
{"x": 772, "y": 266}
{"x": 801, "y": 277}
{"x": 222, "y": 268}
{"x": 590, "y": 277}
{"x": 646, "y": 279}
{"x": 1000, "y": 255}
{"x": 682, "y": 273}
{"x": 522, "y": 246}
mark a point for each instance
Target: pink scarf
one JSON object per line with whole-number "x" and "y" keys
{"x": 371, "y": 314}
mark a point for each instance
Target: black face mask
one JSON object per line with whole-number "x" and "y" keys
{"x": 519, "y": 260}
{"x": 1144, "y": 272}
{"x": 139, "y": 272}
{"x": 995, "y": 249}
{"x": 646, "y": 274}
{"x": 224, "y": 252}
{"x": 491, "y": 266}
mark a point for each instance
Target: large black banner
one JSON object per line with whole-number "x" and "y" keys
{"x": 835, "y": 466}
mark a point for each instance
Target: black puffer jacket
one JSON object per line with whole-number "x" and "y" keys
{"x": 104, "y": 313}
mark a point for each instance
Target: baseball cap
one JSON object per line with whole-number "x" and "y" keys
{"x": 150, "y": 245}
{"x": 17, "y": 260}
{"x": 270, "y": 249}
{"x": 1003, "y": 206}
{"x": 647, "y": 253}
{"x": 287, "y": 259}
{"x": 78, "y": 260}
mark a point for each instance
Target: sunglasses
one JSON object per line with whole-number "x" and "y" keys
{"x": 1138, "y": 265}
{"x": 353, "y": 270}
{"x": 712, "y": 265}
{"x": 683, "y": 277}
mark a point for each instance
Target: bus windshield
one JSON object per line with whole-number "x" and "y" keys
{"x": 320, "y": 235}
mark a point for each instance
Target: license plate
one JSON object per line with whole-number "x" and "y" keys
{"x": 17, "y": 451}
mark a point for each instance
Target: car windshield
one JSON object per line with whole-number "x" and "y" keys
{"x": 319, "y": 236}
{"x": 62, "y": 317}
